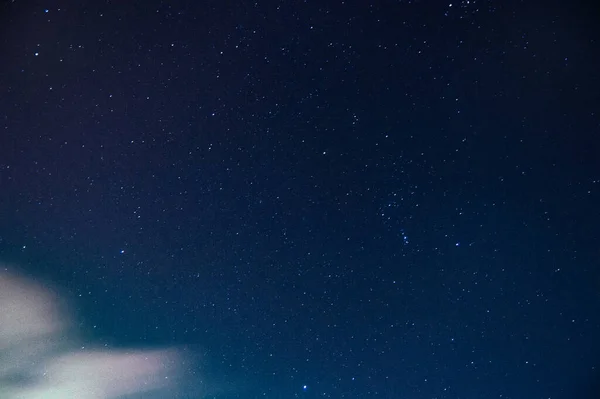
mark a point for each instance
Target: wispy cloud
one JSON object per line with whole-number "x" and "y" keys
{"x": 41, "y": 357}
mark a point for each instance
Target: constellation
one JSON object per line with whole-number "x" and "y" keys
{"x": 395, "y": 218}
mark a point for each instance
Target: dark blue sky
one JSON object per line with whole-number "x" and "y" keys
{"x": 372, "y": 199}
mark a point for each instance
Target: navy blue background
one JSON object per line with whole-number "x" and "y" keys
{"x": 372, "y": 199}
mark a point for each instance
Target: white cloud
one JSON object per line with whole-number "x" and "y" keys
{"x": 40, "y": 357}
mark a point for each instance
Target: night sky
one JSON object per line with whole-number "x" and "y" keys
{"x": 314, "y": 199}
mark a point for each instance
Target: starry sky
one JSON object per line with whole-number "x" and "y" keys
{"x": 314, "y": 199}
